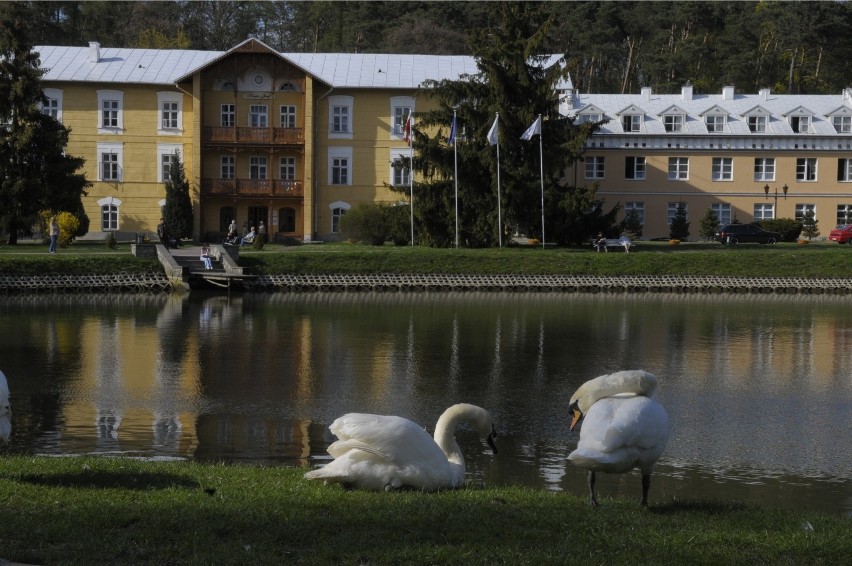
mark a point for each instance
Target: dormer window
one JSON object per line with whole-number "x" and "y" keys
{"x": 757, "y": 124}
{"x": 842, "y": 124}
{"x": 800, "y": 124}
{"x": 673, "y": 122}
{"x": 631, "y": 122}
{"x": 589, "y": 118}
{"x": 715, "y": 123}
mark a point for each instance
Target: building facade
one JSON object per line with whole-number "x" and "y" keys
{"x": 294, "y": 140}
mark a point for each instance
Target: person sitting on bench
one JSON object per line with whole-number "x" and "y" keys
{"x": 248, "y": 238}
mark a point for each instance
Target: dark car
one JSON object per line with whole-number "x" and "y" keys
{"x": 841, "y": 234}
{"x": 746, "y": 233}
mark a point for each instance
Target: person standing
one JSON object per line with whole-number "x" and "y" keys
{"x": 261, "y": 231}
{"x": 163, "y": 233}
{"x": 54, "y": 234}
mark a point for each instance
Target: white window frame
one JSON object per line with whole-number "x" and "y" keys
{"x": 671, "y": 211}
{"x": 800, "y": 124}
{"x": 399, "y": 172}
{"x": 806, "y": 169}
{"x": 844, "y": 169}
{"x": 258, "y": 116}
{"x": 802, "y": 208}
{"x": 227, "y": 166}
{"x": 639, "y": 207}
{"x": 678, "y": 168}
{"x": 589, "y": 118}
{"x": 227, "y": 115}
{"x": 170, "y": 111}
{"x": 639, "y": 167}
{"x": 54, "y": 103}
{"x": 842, "y": 124}
{"x": 764, "y": 211}
{"x": 673, "y": 123}
{"x": 165, "y": 150}
{"x": 338, "y": 209}
{"x": 715, "y": 123}
{"x": 764, "y": 168}
{"x": 722, "y": 169}
{"x": 756, "y": 124}
{"x": 109, "y": 207}
{"x": 287, "y": 168}
{"x": 595, "y": 167}
{"x": 844, "y": 214}
{"x": 336, "y": 156}
{"x": 631, "y": 123}
{"x": 258, "y": 167}
{"x": 287, "y": 116}
{"x": 400, "y": 108}
{"x": 723, "y": 212}
{"x": 340, "y": 117}
{"x": 115, "y": 97}
{"x": 112, "y": 149}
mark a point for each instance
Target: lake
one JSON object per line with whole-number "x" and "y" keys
{"x": 758, "y": 387}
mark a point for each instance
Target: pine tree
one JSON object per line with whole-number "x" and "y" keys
{"x": 515, "y": 82}
{"x": 709, "y": 224}
{"x": 810, "y": 230}
{"x": 679, "y": 229}
{"x": 35, "y": 174}
{"x": 177, "y": 213}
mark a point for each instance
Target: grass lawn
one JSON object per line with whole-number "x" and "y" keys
{"x": 817, "y": 259}
{"x": 122, "y": 511}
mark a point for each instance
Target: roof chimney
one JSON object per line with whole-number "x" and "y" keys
{"x": 686, "y": 91}
{"x": 94, "y": 52}
{"x": 646, "y": 92}
{"x": 727, "y": 93}
{"x": 847, "y": 94}
{"x": 764, "y": 92}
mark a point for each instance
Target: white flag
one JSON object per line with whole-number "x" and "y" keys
{"x": 492, "y": 133}
{"x": 534, "y": 129}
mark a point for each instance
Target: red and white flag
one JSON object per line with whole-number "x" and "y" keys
{"x": 407, "y": 129}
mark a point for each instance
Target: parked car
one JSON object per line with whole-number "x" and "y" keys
{"x": 841, "y": 234}
{"x": 746, "y": 233}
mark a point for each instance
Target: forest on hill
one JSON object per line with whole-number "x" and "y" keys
{"x": 614, "y": 47}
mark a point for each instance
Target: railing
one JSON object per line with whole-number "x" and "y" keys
{"x": 254, "y": 135}
{"x": 252, "y": 187}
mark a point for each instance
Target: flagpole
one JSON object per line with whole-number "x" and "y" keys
{"x": 411, "y": 172}
{"x": 456, "y": 174}
{"x": 541, "y": 166}
{"x": 499, "y": 211}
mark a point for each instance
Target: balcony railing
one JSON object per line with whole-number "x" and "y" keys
{"x": 254, "y": 135}
{"x": 252, "y": 187}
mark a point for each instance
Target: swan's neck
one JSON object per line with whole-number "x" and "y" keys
{"x": 445, "y": 438}
{"x": 637, "y": 382}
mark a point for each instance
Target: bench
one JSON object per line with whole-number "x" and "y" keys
{"x": 622, "y": 242}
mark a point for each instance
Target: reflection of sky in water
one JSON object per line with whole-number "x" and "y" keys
{"x": 758, "y": 388}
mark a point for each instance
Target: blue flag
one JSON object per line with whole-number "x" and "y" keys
{"x": 452, "y": 131}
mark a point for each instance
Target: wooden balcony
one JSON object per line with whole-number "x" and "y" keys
{"x": 252, "y": 188}
{"x": 256, "y": 136}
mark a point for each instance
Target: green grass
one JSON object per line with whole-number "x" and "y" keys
{"x": 819, "y": 259}
{"x": 122, "y": 511}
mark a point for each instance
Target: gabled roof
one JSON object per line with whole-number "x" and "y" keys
{"x": 798, "y": 111}
{"x": 714, "y": 110}
{"x": 673, "y": 109}
{"x": 630, "y": 110}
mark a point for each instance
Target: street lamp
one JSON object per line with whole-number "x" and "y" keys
{"x": 785, "y": 188}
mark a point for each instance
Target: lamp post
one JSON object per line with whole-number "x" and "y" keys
{"x": 785, "y": 188}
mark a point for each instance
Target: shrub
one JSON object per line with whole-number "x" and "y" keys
{"x": 810, "y": 228}
{"x": 709, "y": 225}
{"x": 110, "y": 241}
{"x": 787, "y": 227}
{"x": 257, "y": 243}
{"x": 679, "y": 229}
{"x": 69, "y": 226}
{"x": 632, "y": 226}
{"x": 367, "y": 222}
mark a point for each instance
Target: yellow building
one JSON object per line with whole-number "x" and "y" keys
{"x": 294, "y": 140}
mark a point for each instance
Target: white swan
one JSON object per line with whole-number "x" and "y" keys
{"x": 623, "y": 428}
{"x": 5, "y": 411}
{"x": 378, "y": 452}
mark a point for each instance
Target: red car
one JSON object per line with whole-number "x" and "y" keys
{"x": 841, "y": 234}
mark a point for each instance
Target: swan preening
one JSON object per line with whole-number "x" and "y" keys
{"x": 5, "y": 411}
{"x": 623, "y": 427}
{"x": 376, "y": 452}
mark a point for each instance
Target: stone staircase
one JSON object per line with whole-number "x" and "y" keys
{"x": 192, "y": 265}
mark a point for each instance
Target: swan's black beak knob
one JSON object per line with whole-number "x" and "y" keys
{"x": 491, "y": 438}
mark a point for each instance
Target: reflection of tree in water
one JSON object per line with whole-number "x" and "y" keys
{"x": 109, "y": 391}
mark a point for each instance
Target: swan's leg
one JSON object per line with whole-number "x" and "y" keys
{"x": 592, "y": 499}
{"x": 646, "y": 484}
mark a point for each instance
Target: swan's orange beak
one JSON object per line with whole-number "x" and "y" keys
{"x": 576, "y": 415}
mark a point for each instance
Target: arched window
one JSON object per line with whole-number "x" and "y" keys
{"x": 109, "y": 213}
